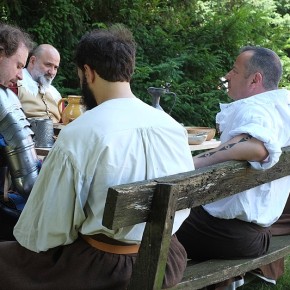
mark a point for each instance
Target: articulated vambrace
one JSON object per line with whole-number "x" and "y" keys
{"x": 19, "y": 152}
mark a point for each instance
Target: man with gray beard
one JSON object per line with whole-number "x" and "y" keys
{"x": 39, "y": 99}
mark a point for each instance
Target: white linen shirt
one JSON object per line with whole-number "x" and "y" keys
{"x": 266, "y": 117}
{"x": 120, "y": 141}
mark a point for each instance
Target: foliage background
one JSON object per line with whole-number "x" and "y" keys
{"x": 187, "y": 43}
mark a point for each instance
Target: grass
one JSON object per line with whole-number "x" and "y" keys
{"x": 282, "y": 284}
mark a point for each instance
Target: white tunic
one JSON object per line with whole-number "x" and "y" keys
{"x": 117, "y": 142}
{"x": 266, "y": 117}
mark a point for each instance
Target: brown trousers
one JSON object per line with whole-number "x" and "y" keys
{"x": 275, "y": 269}
{"x": 77, "y": 266}
{"x": 281, "y": 227}
{"x": 206, "y": 237}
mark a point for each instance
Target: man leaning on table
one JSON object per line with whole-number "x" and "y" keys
{"x": 254, "y": 127}
{"x": 119, "y": 139}
{"x": 17, "y": 152}
{"x": 38, "y": 97}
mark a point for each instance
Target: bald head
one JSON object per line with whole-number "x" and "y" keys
{"x": 43, "y": 64}
{"x": 45, "y": 49}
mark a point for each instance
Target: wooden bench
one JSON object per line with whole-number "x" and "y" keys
{"x": 155, "y": 202}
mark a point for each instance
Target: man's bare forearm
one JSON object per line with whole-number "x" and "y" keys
{"x": 241, "y": 147}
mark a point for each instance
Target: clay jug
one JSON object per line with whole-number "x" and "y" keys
{"x": 72, "y": 110}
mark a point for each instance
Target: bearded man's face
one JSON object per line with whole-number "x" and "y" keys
{"x": 88, "y": 98}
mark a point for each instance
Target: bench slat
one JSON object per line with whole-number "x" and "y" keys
{"x": 130, "y": 204}
{"x": 210, "y": 272}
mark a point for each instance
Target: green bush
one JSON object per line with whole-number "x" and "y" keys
{"x": 189, "y": 44}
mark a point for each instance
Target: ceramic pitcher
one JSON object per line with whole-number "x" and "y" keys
{"x": 72, "y": 110}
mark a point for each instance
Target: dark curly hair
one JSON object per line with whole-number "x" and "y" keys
{"x": 110, "y": 52}
{"x": 11, "y": 37}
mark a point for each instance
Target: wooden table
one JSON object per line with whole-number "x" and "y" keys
{"x": 213, "y": 143}
{"x": 58, "y": 126}
{"x": 203, "y": 146}
{"x": 42, "y": 152}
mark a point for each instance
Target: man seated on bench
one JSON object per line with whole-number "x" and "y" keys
{"x": 61, "y": 243}
{"x": 254, "y": 127}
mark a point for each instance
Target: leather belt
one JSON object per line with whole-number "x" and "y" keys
{"x": 110, "y": 248}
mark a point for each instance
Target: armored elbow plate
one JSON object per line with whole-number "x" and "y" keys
{"x": 19, "y": 152}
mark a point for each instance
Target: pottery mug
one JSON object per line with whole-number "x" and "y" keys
{"x": 43, "y": 132}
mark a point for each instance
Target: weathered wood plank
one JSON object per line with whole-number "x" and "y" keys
{"x": 152, "y": 256}
{"x": 209, "y": 272}
{"x": 130, "y": 204}
{"x": 135, "y": 200}
{"x": 155, "y": 201}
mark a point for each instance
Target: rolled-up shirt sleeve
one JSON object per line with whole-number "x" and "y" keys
{"x": 258, "y": 122}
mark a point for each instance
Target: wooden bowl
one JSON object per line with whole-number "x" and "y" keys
{"x": 210, "y": 132}
{"x": 196, "y": 139}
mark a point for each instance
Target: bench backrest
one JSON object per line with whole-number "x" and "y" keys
{"x": 155, "y": 202}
